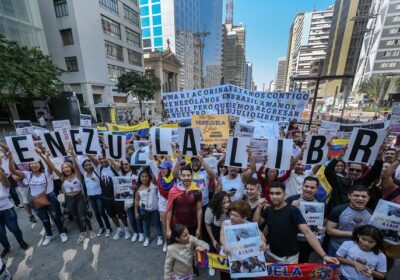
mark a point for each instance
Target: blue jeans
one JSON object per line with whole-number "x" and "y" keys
{"x": 53, "y": 211}
{"x": 136, "y": 224}
{"x": 148, "y": 217}
{"x": 96, "y": 202}
{"x": 8, "y": 218}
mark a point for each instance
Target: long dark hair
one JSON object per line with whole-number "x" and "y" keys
{"x": 176, "y": 232}
{"x": 140, "y": 174}
{"x": 221, "y": 164}
{"x": 266, "y": 174}
{"x": 41, "y": 169}
{"x": 371, "y": 231}
{"x": 216, "y": 204}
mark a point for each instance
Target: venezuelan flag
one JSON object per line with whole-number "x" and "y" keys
{"x": 324, "y": 189}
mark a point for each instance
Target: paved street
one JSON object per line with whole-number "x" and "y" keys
{"x": 98, "y": 258}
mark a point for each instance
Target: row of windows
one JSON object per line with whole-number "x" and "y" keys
{"x": 394, "y": 30}
{"x": 145, "y": 2}
{"x": 391, "y": 53}
{"x": 110, "y": 5}
{"x": 114, "y": 72}
{"x": 113, "y": 29}
{"x": 114, "y": 51}
{"x": 131, "y": 15}
{"x": 393, "y": 42}
{"x": 146, "y": 21}
{"x": 157, "y": 31}
{"x": 388, "y": 64}
{"x": 155, "y": 9}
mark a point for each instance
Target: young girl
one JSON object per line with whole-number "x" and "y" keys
{"x": 146, "y": 207}
{"x": 179, "y": 260}
{"x": 362, "y": 258}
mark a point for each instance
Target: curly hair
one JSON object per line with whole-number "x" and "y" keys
{"x": 216, "y": 204}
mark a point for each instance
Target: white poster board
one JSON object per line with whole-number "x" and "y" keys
{"x": 387, "y": 217}
{"x": 22, "y": 148}
{"x": 236, "y": 152}
{"x": 279, "y": 153}
{"x": 123, "y": 188}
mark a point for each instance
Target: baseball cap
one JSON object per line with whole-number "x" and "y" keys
{"x": 165, "y": 164}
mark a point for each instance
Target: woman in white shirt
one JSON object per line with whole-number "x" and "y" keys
{"x": 146, "y": 207}
{"x": 40, "y": 181}
{"x": 8, "y": 217}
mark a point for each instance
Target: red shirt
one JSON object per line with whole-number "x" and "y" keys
{"x": 184, "y": 211}
{"x": 266, "y": 185}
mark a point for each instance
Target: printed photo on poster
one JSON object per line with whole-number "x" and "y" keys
{"x": 23, "y": 127}
{"x": 313, "y": 213}
{"x": 64, "y": 126}
{"x": 387, "y": 217}
{"x": 246, "y": 258}
{"x": 86, "y": 121}
{"x": 123, "y": 188}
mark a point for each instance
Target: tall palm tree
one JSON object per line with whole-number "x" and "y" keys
{"x": 375, "y": 88}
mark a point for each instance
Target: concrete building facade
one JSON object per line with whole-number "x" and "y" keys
{"x": 380, "y": 51}
{"x": 248, "y": 75}
{"x": 189, "y": 28}
{"x": 96, "y": 41}
{"x": 280, "y": 77}
{"x": 233, "y": 54}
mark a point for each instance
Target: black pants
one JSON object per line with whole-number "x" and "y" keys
{"x": 77, "y": 205}
{"x": 13, "y": 191}
{"x": 305, "y": 251}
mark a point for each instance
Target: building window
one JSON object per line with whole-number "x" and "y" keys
{"x": 134, "y": 58}
{"x": 392, "y": 42}
{"x": 111, "y": 27}
{"x": 396, "y": 19}
{"x": 146, "y": 32}
{"x": 146, "y": 43}
{"x": 158, "y": 42}
{"x": 394, "y": 30}
{"x": 388, "y": 64}
{"x": 156, "y": 9}
{"x": 144, "y": 11}
{"x": 110, "y": 5}
{"x": 114, "y": 72}
{"x": 156, "y": 20}
{"x": 131, "y": 15}
{"x": 114, "y": 51}
{"x": 66, "y": 37}
{"x": 144, "y": 2}
{"x": 61, "y": 8}
{"x": 72, "y": 64}
{"x": 397, "y": 7}
{"x": 133, "y": 37}
{"x": 155, "y": 1}
{"x": 157, "y": 31}
{"x": 391, "y": 53}
{"x": 145, "y": 22}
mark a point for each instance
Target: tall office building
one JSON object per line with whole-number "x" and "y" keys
{"x": 280, "y": 77}
{"x": 95, "y": 41}
{"x": 191, "y": 29}
{"x": 308, "y": 42}
{"x": 248, "y": 75}
{"x": 380, "y": 51}
{"x": 233, "y": 54}
{"x": 349, "y": 24}
{"x": 20, "y": 21}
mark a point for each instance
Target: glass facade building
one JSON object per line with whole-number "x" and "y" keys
{"x": 20, "y": 21}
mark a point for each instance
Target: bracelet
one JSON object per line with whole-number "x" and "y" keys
{"x": 324, "y": 256}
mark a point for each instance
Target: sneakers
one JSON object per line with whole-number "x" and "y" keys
{"x": 5, "y": 252}
{"x": 141, "y": 237}
{"x": 63, "y": 237}
{"x": 92, "y": 234}
{"x": 196, "y": 272}
{"x": 101, "y": 231}
{"x": 118, "y": 234}
{"x": 127, "y": 233}
{"x": 146, "y": 242}
{"x": 47, "y": 240}
{"x": 23, "y": 245}
{"x": 32, "y": 219}
{"x": 164, "y": 249}
{"x": 159, "y": 241}
{"x": 211, "y": 272}
{"x": 134, "y": 237}
{"x": 108, "y": 232}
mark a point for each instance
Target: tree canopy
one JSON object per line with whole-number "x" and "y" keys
{"x": 25, "y": 73}
{"x": 140, "y": 86}
{"x": 375, "y": 87}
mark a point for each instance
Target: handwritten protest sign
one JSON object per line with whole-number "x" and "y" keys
{"x": 214, "y": 128}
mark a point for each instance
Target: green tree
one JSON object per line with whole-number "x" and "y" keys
{"x": 25, "y": 73}
{"x": 140, "y": 86}
{"x": 375, "y": 88}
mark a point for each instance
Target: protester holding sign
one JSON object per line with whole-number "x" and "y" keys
{"x": 267, "y": 176}
{"x": 40, "y": 182}
{"x": 92, "y": 182}
{"x": 283, "y": 223}
{"x": 146, "y": 207}
{"x": 362, "y": 257}
{"x": 8, "y": 217}
{"x": 253, "y": 195}
{"x": 74, "y": 195}
{"x": 343, "y": 219}
{"x": 233, "y": 183}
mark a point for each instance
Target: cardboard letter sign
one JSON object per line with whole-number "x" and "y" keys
{"x": 189, "y": 140}
{"x": 115, "y": 146}
{"x": 364, "y": 145}
{"x": 90, "y": 141}
{"x": 22, "y": 148}
{"x": 55, "y": 143}
{"x": 317, "y": 150}
{"x": 236, "y": 152}
{"x": 161, "y": 141}
{"x": 279, "y": 153}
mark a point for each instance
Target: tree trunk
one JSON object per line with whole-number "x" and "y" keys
{"x": 13, "y": 111}
{"x": 141, "y": 109}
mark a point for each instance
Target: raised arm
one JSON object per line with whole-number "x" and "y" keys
{"x": 252, "y": 167}
{"x": 49, "y": 164}
{"x": 3, "y": 177}
{"x": 209, "y": 170}
{"x": 94, "y": 160}
{"x": 11, "y": 166}
{"x": 115, "y": 164}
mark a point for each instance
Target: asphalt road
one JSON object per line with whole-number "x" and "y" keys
{"x": 99, "y": 258}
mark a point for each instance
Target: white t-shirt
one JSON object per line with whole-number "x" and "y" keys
{"x": 92, "y": 182}
{"x": 148, "y": 198}
{"x": 37, "y": 185}
{"x": 202, "y": 180}
{"x": 228, "y": 185}
{"x": 72, "y": 186}
{"x": 295, "y": 181}
{"x": 5, "y": 165}
{"x": 5, "y": 202}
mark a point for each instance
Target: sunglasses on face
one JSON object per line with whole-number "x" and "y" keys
{"x": 125, "y": 164}
{"x": 355, "y": 170}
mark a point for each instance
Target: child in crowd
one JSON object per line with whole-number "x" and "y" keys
{"x": 362, "y": 258}
{"x": 179, "y": 260}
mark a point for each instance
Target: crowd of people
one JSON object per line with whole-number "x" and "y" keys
{"x": 188, "y": 203}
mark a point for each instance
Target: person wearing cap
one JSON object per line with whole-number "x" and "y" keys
{"x": 233, "y": 183}
{"x": 165, "y": 179}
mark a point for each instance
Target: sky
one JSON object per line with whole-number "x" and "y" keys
{"x": 267, "y": 25}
